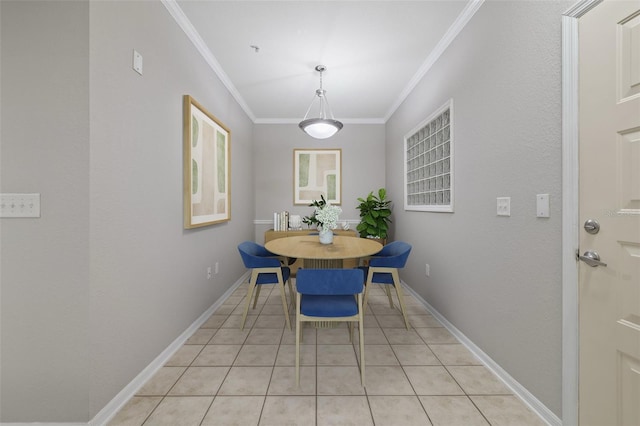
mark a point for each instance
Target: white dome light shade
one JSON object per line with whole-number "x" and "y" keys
{"x": 320, "y": 128}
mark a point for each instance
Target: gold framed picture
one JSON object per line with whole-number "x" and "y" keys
{"x": 207, "y": 194}
{"x": 317, "y": 172}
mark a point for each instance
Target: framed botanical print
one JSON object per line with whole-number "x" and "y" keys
{"x": 317, "y": 172}
{"x": 207, "y": 194}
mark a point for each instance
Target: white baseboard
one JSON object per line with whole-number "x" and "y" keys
{"x": 44, "y": 424}
{"x": 520, "y": 391}
{"x": 116, "y": 404}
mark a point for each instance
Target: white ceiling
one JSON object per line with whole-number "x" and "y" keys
{"x": 374, "y": 51}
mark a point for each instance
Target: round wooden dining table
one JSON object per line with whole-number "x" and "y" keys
{"x": 316, "y": 255}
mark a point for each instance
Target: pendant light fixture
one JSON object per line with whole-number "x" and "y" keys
{"x": 321, "y": 127}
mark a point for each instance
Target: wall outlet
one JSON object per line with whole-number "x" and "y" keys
{"x": 216, "y": 268}
{"x": 209, "y": 273}
{"x": 503, "y": 206}
{"x": 427, "y": 270}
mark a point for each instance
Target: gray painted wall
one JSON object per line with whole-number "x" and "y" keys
{"x": 497, "y": 279}
{"x": 362, "y": 146}
{"x": 44, "y": 311}
{"x": 148, "y": 274}
{"x": 94, "y": 290}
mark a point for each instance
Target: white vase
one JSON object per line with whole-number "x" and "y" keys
{"x": 325, "y": 236}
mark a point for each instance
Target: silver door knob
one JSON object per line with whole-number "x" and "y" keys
{"x": 592, "y": 259}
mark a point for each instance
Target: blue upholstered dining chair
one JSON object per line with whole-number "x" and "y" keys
{"x": 383, "y": 269}
{"x": 265, "y": 269}
{"x": 329, "y": 295}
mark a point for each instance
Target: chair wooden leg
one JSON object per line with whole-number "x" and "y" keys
{"x": 361, "y": 330}
{"x": 291, "y": 294}
{"x": 366, "y": 296}
{"x": 398, "y": 286}
{"x": 298, "y": 339}
{"x": 366, "y": 290}
{"x": 285, "y": 305}
{"x": 255, "y": 301}
{"x": 246, "y": 309}
{"x": 389, "y": 296}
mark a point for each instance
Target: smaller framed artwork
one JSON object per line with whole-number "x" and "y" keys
{"x": 317, "y": 172}
{"x": 207, "y": 194}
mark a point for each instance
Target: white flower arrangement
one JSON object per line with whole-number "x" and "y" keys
{"x": 327, "y": 216}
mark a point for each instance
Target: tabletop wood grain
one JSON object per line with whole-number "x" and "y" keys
{"x": 309, "y": 247}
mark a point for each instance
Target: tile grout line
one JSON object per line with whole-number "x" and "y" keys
{"x": 375, "y": 318}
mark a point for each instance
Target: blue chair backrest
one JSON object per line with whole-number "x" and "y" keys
{"x": 256, "y": 256}
{"x": 393, "y": 255}
{"x": 330, "y": 281}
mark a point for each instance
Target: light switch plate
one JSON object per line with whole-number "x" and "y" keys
{"x": 137, "y": 62}
{"x": 503, "y": 206}
{"x": 20, "y": 205}
{"x": 542, "y": 205}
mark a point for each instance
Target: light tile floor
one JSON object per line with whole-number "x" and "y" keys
{"x": 224, "y": 376}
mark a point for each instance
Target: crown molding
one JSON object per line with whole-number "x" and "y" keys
{"x": 178, "y": 15}
{"x": 580, "y": 8}
{"x": 461, "y": 21}
{"x": 297, "y": 120}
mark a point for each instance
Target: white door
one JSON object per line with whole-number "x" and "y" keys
{"x": 609, "y": 296}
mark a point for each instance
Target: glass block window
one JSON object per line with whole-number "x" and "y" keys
{"x": 428, "y": 160}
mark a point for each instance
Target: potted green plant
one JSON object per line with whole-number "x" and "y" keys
{"x": 375, "y": 215}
